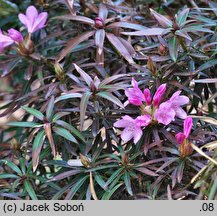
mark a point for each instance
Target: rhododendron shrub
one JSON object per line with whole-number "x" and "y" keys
{"x": 108, "y": 100}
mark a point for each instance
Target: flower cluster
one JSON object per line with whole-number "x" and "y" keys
{"x": 33, "y": 21}
{"x": 152, "y": 110}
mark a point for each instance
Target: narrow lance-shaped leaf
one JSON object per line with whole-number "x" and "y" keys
{"x": 207, "y": 65}
{"x": 148, "y": 32}
{"x": 75, "y": 188}
{"x": 107, "y": 195}
{"x": 24, "y": 124}
{"x": 128, "y": 183}
{"x": 13, "y": 166}
{"x": 30, "y": 190}
{"x": 47, "y": 129}
{"x": 83, "y": 106}
{"x": 59, "y": 115}
{"x": 110, "y": 97}
{"x": 118, "y": 45}
{"x": 72, "y": 129}
{"x": 82, "y": 19}
{"x": 36, "y": 148}
{"x": 34, "y": 112}
{"x": 103, "y": 12}
{"x": 74, "y": 42}
{"x": 8, "y": 175}
{"x": 182, "y": 17}
{"x": 126, "y": 25}
{"x": 163, "y": 21}
{"x": 85, "y": 76}
{"x": 65, "y": 175}
{"x": 99, "y": 40}
{"x": 50, "y": 108}
{"x": 64, "y": 133}
{"x": 173, "y": 48}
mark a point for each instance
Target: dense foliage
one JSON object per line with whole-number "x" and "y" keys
{"x": 117, "y": 99}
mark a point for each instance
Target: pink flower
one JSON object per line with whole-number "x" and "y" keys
{"x": 132, "y": 127}
{"x": 165, "y": 113}
{"x": 15, "y": 35}
{"x": 32, "y": 20}
{"x": 5, "y": 41}
{"x": 158, "y": 95}
{"x": 180, "y": 137}
{"x": 176, "y": 103}
{"x": 135, "y": 95}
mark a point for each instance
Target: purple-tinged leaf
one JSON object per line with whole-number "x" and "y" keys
{"x": 155, "y": 58}
{"x": 183, "y": 34}
{"x": 198, "y": 28}
{"x": 213, "y": 5}
{"x": 36, "y": 149}
{"x": 70, "y": 5}
{"x": 68, "y": 96}
{"x": 74, "y": 42}
{"x": 85, "y": 76}
{"x": 128, "y": 46}
{"x": 166, "y": 164}
{"x": 48, "y": 132}
{"x": 182, "y": 17}
{"x": 118, "y": 45}
{"x": 148, "y": 32}
{"x": 213, "y": 80}
{"x": 162, "y": 20}
{"x": 83, "y": 106}
{"x": 49, "y": 111}
{"x": 111, "y": 79}
{"x": 99, "y": 40}
{"x": 103, "y": 12}
{"x": 180, "y": 172}
{"x": 65, "y": 175}
{"x": 146, "y": 171}
{"x": 82, "y": 19}
{"x": 207, "y": 65}
{"x": 10, "y": 67}
{"x": 110, "y": 97}
{"x": 127, "y": 25}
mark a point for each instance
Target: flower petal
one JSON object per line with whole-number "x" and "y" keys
{"x": 158, "y": 95}
{"x": 40, "y": 21}
{"x": 147, "y": 95}
{"x": 23, "y": 19}
{"x": 137, "y": 135}
{"x": 165, "y": 114}
{"x": 127, "y": 135}
{"x": 143, "y": 120}
{"x": 180, "y": 137}
{"x": 188, "y": 123}
{"x": 180, "y": 113}
{"x": 124, "y": 122}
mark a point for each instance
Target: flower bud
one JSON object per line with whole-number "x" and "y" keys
{"x": 15, "y": 35}
{"x": 99, "y": 22}
{"x": 162, "y": 50}
{"x": 85, "y": 161}
{"x": 59, "y": 71}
